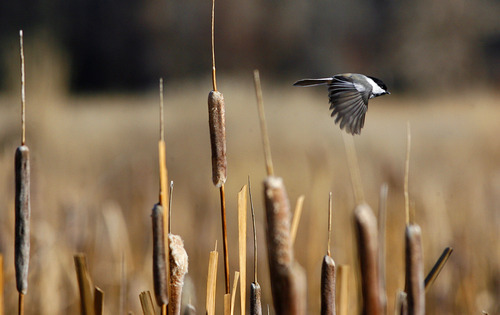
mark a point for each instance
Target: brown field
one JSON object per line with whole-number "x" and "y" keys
{"x": 94, "y": 183}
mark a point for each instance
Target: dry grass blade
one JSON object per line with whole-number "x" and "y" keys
{"x": 147, "y": 305}
{"x": 438, "y": 266}
{"x": 2, "y": 306}
{"x": 367, "y": 241}
{"x": 343, "y": 300}
{"x": 242, "y": 244}
{"x": 233, "y": 292}
{"x": 159, "y": 257}
{"x": 263, "y": 125}
{"x": 414, "y": 270}
{"x": 178, "y": 270}
{"x": 98, "y": 301}
{"x": 255, "y": 299}
{"x": 352, "y": 162}
{"x": 254, "y": 233}
{"x": 287, "y": 277}
{"x": 382, "y": 216}
{"x": 296, "y": 218}
{"x": 85, "y": 285}
{"x": 212, "y": 281}
{"x": 328, "y": 286}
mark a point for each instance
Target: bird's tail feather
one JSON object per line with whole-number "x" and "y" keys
{"x": 312, "y": 82}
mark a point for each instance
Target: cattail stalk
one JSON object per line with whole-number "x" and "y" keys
{"x": 242, "y": 245}
{"x": 328, "y": 278}
{"x": 178, "y": 269}
{"x": 296, "y": 218}
{"x": 159, "y": 257}
{"x": 415, "y": 289}
{"x": 367, "y": 240}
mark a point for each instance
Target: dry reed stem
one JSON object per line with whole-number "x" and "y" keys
{"x": 233, "y": 292}
{"x": 23, "y": 89}
{"x": 352, "y": 162}
{"x": 328, "y": 286}
{"x": 438, "y": 266}
{"x": 407, "y": 171}
{"x": 255, "y": 299}
{"x": 214, "y": 78}
{"x": 212, "y": 281}
{"x": 159, "y": 256}
{"x": 2, "y": 305}
{"x": 178, "y": 270}
{"x": 296, "y": 218}
{"x": 343, "y": 299}
{"x": 367, "y": 241}
{"x": 22, "y": 217}
{"x": 263, "y": 124}
{"x": 189, "y": 310}
{"x": 85, "y": 285}
{"x": 147, "y": 305}
{"x": 224, "y": 237}
{"x": 242, "y": 244}
{"x": 382, "y": 217}
{"x": 98, "y": 301}
{"x": 414, "y": 270}
{"x": 330, "y": 211}
{"x": 287, "y": 277}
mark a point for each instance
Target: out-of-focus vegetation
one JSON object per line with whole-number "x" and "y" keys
{"x": 423, "y": 45}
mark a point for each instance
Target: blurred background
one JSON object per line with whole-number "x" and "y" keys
{"x": 92, "y": 127}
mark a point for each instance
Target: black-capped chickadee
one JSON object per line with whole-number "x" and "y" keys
{"x": 349, "y": 94}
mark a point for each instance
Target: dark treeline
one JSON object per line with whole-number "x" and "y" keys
{"x": 128, "y": 44}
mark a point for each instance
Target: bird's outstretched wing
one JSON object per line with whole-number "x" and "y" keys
{"x": 349, "y": 102}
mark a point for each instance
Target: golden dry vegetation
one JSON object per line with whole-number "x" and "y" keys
{"x": 94, "y": 183}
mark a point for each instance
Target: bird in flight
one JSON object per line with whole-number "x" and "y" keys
{"x": 349, "y": 94}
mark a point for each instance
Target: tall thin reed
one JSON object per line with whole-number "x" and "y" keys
{"x": 217, "y": 125}
{"x": 98, "y": 301}
{"x": 85, "y": 285}
{"x": 438, "y": 266}
{"x": 242, "y": 245}
{"x": 255, "y": 290}
{"x": 328, "y": 278}
{"x": 22, "y": 199}
{"x": 147, "y": 305}
{"x": 212, "y": 281}
{"x": 343, "y": 299}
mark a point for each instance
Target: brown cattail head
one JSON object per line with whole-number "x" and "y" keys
{"x": 159, "y": 260}
{"x": 367, "y": 239}
{"x": 178, "y": 269}
{"x": 255, "y": 299}
{"x": 328, "y": 286}
{"x": 414, "y": 270}
{"x": 22, "y": 224}
{"x": 287, "y": 277}
{"x": 217, "y": 124}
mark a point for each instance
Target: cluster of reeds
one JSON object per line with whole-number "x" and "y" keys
{"x": 287, "y": 277}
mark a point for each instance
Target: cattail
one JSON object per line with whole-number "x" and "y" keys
{"x": 367, "y": 239}
{"x": 255, "y": 299}
{"x": 159, "y": 259}
{"x": 22, "y": 224}
{"x": 287, "y": 277}
{"x": 414, "y": 270}
{"x": 217, "y": 123}
{"x": 178, "y": 269}
{"x": 328, "y": 286}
